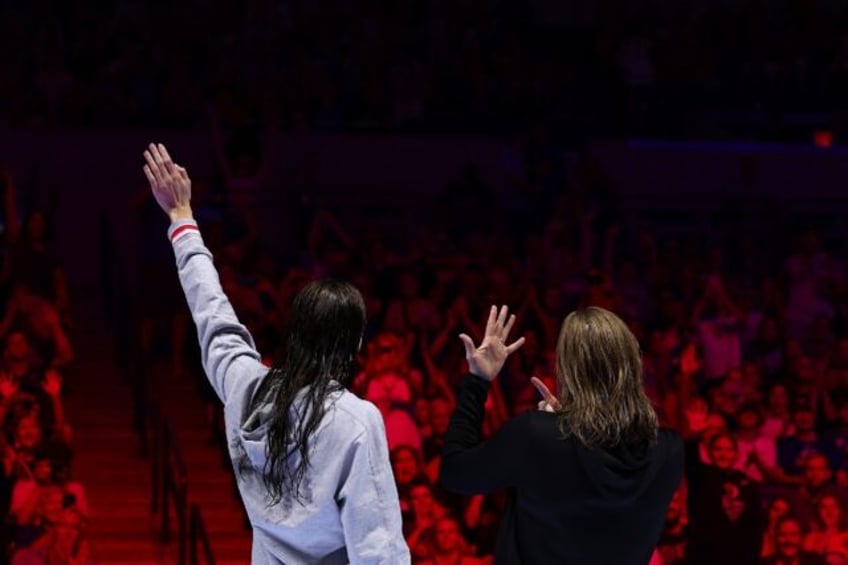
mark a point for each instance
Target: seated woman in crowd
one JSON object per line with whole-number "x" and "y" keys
{"x": 40, "y": 321}
{"x": 789, "y": 533}
{"x": 778, "y": 507}
{"x": 829, "y": 535}
{"x": 48, "y": 513}
{"x": 448, "y": 546}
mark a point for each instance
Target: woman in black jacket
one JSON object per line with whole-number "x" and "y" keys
{"x": 589, "y": 481}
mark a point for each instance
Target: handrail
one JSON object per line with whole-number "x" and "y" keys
{"x": 198, "y": 534}
{"x": 169, "y": 482}
{"x": 154, "y": 436}
{"x": 157, "y": 440}
{"x": 174, "y": 488}
{"x": 115, "y": 292}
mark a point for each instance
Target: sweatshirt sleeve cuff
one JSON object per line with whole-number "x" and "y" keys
{"x": 182, "y": 228}
{"x": 478, "y": 383}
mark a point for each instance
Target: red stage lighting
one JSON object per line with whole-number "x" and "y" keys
{"x": 823, "y": 138}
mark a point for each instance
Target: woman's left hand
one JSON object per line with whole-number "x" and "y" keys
{"x": 549, "y": 402}
{"x": 488, "y": 359}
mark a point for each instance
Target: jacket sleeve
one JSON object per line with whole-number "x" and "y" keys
{"x": 368, "y": 500}
{"x": 470, "y": 467}
{"x": 227, "y": 350}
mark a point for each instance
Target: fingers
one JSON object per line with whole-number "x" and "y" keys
{"x": 157, "y": 155}
{"x": 182, "y": 172}
{"x": 545, "y": 407}
{"x": 149, "y": 174}
{"x": 502, "y": 319}
{"x": 490, "y": 323}
{"x": 547, "y": 396}
{"x": 154, "y": 150}
{"x": 167, "y": 161}
{"x": 469, "y": 344}
{"x": 160, "y": 163}
{"x": 508, "y": 327}
{"x": 515, "y": 346}
{"x": 542, "y": 388}
{"x": 153, "y": 166}
{"x": 499, "y": 322}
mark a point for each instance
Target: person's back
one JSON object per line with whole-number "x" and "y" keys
{"x": 316, "y": 527}
{"x": 572, "y": 504}
{"x": 568, "y": 503}
{"x": 582, "y": 499}
{"x": 311, "y": 459}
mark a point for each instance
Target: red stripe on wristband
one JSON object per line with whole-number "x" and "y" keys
{"x": 182, "y": 229}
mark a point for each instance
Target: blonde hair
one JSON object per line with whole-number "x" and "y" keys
{"x": 599, "y": 371}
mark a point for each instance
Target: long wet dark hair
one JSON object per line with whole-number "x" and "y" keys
{"x": 320, "y": 343}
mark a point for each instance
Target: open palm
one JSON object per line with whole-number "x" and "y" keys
{"x": 488, "y": 359}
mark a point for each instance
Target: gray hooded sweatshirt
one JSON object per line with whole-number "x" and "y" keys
{"x": 350, "y": 511}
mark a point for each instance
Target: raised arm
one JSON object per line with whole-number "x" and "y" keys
{"x": 52, "y": 385}
{"x": 227, "y": 349}
{"x": 64, "y": 353}
{"x": 468, "y": 466}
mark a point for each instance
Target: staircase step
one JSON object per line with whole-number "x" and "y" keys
{"x": 100, "y": 409}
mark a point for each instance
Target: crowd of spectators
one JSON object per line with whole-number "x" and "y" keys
{"x": 43, "y": 510}
{"x": 474, "y": 65}
{"x": 743, "y": 330}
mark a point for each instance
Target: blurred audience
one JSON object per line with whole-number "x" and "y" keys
{"x": 434, "y": 66}
{"x": 44, "y": 512}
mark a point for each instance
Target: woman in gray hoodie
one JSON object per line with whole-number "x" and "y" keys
{"x": 310, "y": 457}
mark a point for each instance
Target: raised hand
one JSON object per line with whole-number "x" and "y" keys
{"x": 487, "y": 360}
{"x": 8, "y": 387}
{"x": 689, "y": 363}
{"x": 169, "y": 182}
{"x": 549, "y": 402}
{"x": 52, "y": 384}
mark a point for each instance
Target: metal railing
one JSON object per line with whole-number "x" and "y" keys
{"x": 152, "y": 440}
{"x": 198, "y": 535}
{"x": 173, "y": 490}
{"x": 157, "y": 440}
{"x": 169, "y": 485}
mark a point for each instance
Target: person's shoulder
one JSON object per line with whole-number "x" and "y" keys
{"x": 671, "y": 448}
{"x": 536, "y": 419}
{"x": 670, "y": 438}
{"x": 356, "y": 414}
{"x": 542, "y": 428}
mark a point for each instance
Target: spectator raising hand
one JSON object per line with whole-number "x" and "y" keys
{"x": 52, "y": 383}
{"x": 8, "y": 387}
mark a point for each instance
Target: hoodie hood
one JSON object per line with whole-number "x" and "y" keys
{"x": 254, "y": 431}
{"x": 622, "y": 472}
